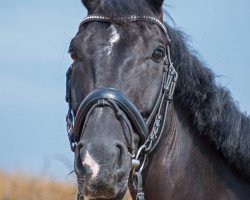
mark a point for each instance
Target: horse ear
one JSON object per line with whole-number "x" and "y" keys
{"x": 156, "y": 4}
{"x": 89, "y": 4}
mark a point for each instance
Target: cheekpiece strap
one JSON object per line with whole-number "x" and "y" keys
{"x": 137, "y": 184}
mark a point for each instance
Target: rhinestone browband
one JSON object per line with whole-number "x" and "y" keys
{"x": 127, "y": 18}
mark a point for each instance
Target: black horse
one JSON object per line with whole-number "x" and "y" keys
{"x": 125, "y": 131}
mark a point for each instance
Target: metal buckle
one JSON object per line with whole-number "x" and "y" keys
{"x": 71, "y": 136}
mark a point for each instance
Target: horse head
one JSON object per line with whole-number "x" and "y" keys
{"x": 119, "y": 54}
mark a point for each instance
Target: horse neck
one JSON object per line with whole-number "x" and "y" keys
{"x": 187, "y": 165}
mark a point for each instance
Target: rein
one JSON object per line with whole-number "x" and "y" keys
{"x": 150, "y": 132}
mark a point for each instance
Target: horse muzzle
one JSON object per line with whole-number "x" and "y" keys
{"x": 103, "y": 164}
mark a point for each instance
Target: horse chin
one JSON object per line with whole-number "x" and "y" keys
{"x": 104, "y": 195}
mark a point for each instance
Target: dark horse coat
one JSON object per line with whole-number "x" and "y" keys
{"x": 204, "y": 152}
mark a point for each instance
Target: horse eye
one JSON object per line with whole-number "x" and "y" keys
{"x": 73, "y": 55}
{"x": 158, "y": 55}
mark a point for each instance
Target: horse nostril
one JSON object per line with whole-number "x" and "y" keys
{"x": 81, "y": 169}
{"x": 118, "y": 148}
{"x": 119, "y": 154}
{"x": 78, "y": 162}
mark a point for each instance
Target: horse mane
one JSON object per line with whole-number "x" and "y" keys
{"x": 210, "y": 107}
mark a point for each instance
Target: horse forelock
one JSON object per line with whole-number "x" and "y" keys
{"x": 114, "y": 8}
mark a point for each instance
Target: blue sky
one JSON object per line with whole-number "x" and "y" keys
{"x": 34, "y": 37}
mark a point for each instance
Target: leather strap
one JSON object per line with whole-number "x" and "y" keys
{"x": 123, "y": 103}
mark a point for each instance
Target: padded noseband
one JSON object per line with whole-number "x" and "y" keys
{"x": 118, "y": 102}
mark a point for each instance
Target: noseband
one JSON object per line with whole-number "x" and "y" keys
{"x": 131, "y": 120}
{"x": 125, "y": 112}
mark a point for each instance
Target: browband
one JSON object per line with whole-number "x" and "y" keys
{"x": 102, "y": 18}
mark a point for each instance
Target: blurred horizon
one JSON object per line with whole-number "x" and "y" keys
{"x": 34, "y": 38}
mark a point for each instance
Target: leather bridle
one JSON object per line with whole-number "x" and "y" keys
{"x": 131, "y": 120}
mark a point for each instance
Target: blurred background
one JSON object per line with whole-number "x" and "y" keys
{"x": 34, "y": 38}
